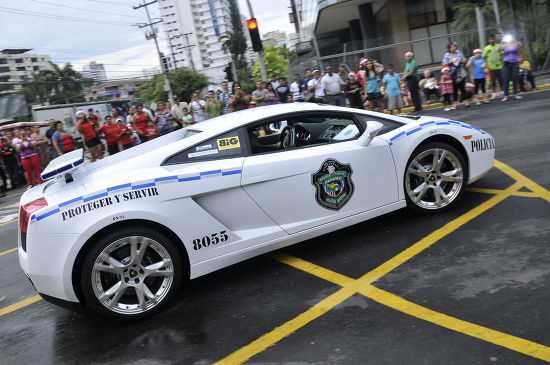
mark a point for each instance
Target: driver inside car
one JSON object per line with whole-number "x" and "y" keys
{"x": 257, "y": 146}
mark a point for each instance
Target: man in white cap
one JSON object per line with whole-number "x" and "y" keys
{"x": 478, "y": 64}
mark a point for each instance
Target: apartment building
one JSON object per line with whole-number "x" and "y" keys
{"x": 194, "y": 28}
{"x": 95, "y": 71}
{"x": 17, "y": 66}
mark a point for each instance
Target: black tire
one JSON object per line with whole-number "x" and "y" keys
{"x": 92, "y": 280}
{"x": 433, "y": 181}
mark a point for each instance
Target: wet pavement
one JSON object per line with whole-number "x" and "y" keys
{"x": 473, "y": 292}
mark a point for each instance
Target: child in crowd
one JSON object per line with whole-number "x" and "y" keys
{"x": 525, "y": 73}
{"x": 447, "y": 89}
{"x": 187, "y": 118}
{"x": 478, "y": 64}
{"x": 407, "y": 100}
{"x": 392, "y": 91}
{"x": 151, "y": 131}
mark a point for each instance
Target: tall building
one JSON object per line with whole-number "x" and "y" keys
{"x": 17, "y": 67}
{"x": 275, "y": 37}
{"x": 94, "y": 71}
{"x": 194, "y": 28}
{"x": 362, "y": 24}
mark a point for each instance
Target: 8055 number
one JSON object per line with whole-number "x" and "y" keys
{"x": 212, "y": 239}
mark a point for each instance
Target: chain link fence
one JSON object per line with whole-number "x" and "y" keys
{"x": 429, "y": 45}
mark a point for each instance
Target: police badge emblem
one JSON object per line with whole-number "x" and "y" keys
{"x": 333, "y": 184}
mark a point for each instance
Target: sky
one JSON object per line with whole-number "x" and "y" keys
{"x": 80, "y": 31}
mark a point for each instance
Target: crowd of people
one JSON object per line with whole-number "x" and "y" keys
{"x": 500, "y": 67}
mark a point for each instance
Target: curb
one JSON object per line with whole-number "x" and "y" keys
{"x": 439, "y": 105}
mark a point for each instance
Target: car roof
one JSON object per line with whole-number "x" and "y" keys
{"x": 244, "y": 117}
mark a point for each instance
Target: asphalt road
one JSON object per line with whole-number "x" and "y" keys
{"x": 473, "y": 286}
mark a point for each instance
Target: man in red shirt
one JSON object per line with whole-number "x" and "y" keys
{"x": 125, "y": 136}
{"x": 112, "y": 133}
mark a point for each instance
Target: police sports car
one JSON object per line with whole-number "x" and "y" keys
{"x": 121, "y": 234}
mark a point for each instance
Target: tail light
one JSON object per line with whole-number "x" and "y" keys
{"x": 27, "y": 210}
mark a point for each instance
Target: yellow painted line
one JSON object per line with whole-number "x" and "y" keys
{"x": 277, "y": 334}
{"x": 528, "y": 183}
{"x": 9, "y": 206}
{"x": 13, "y": 220}
{"x": 351, "y": 287}
{"x": 19, "y": 305}
{"x": 15, "y": 194}
{"x": 437, "y": 235}
{"x": 525, "y": 194}
{"x": 498, "y": 338}
{"x": 8, "y": 251}
{"x": 313, "y": 269}
{"x": 402, "y": 305}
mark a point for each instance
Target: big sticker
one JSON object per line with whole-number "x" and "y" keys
{"x": 228, "y": 143}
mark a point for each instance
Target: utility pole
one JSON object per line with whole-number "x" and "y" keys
{"x": 480, "y": 24}
{"x": 188, "y": 46}
{"x": 497, "y": 14}
{"x": 153, "y": 35}
{"x": 260, "y": 53}
{"x": 171, "y": 49}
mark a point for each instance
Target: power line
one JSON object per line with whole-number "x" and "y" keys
{"x": 77, "y": 8}
{"x": 107, "y": 2}
{"x": 54, "y": 16}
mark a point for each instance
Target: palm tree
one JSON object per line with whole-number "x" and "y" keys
{"x": 65, "y": 81}
{"x": 234, "y": 41}
{"x": 39, "y": 86}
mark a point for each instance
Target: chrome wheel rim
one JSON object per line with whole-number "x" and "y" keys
{"x": 434, "y": 178}
{"x": 132, "y": 275}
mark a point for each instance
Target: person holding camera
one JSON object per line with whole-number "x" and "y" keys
{"x": 510, "y": 68}
{"x": 239, "y": 99}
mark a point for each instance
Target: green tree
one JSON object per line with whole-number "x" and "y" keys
{"x": 67, "y": 85}
{"x": 534, "y": 34}
{"x": 234, "y": 41}
{"x": 276, "y": 61}
{"x": 184, "y": 82}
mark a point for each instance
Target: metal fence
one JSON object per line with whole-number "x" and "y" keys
{"x": 534, "y": 33}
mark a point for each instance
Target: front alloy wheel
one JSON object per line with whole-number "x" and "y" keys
{"x": 131, "y": 274}
{"x": 434, "y": 178}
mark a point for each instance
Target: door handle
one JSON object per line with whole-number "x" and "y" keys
{"x": 255, "y": 179}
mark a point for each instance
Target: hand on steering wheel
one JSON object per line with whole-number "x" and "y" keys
{"x": 287, "y": 138}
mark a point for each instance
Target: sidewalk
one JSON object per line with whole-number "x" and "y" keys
{"x": 542, "y": 82}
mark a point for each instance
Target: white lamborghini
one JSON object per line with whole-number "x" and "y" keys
{"x": 121, "y": 234}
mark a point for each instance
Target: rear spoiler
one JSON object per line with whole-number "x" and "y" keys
{"x": 63, "y": 165}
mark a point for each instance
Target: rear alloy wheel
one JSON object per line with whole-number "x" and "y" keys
{"x": 131, "y": 274}
{"x": 434, "y": 178}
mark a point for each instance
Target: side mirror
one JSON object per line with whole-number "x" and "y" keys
{"x": 371, "y": 131}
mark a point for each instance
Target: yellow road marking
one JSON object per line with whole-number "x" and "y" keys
{"x": 7, "y": 196}
{"x": 8, "y": 251}
{"x": 519, "y": 177}
{"x": 524, "y": 194}
{"x": 16, "y": 306}
{"x": 9, "y": 206}
{"x": 13, "y": 220}
{"x": 498, "y": 338}
{"x": 351, "y": 286}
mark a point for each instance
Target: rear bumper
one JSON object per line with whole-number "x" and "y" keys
{"x": 48, "y": 263}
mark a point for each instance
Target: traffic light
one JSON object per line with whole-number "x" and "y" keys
{"x": 229, "y": 72}
{"x": 252, "y": 25}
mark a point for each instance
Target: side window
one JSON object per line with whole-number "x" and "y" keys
{"x": 300, "y": 131}
{"x": 389, "y": 125}
{"x": 227, "y": 145}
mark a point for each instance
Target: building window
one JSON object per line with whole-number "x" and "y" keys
{"x": 34, "y": 59}
{"x": 3, "y": 61}
{"x": 18, "y": 60}
{"x": 21, "y": 68}
{"x": 35, "y": 68}
{"x": 4, "y": 69}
